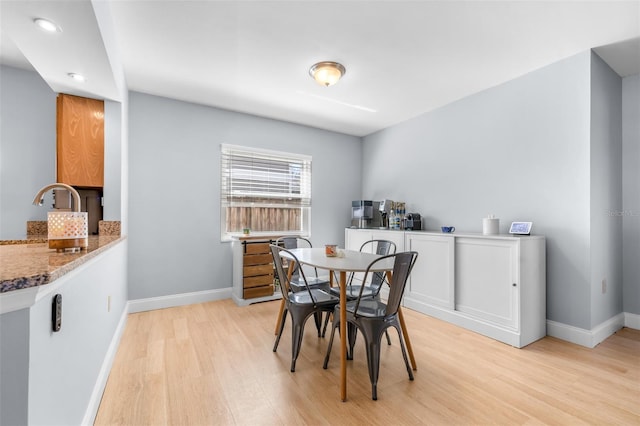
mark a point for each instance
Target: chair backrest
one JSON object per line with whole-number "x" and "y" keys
{"x": 402, "y": 266}
{"x": 401, "y": 269}
{"x": 294, "y": 242}
{"x": 382, "y": 248}
{"x": 285, "y": 286}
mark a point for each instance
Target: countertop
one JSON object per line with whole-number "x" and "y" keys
{"x": 451, "y": 234}
{"x": 30, "y": 263}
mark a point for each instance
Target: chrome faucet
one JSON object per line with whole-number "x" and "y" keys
{"x": 39, "y": 198}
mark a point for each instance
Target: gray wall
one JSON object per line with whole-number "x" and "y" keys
{"x": 631, "y": 192}
{"x": 27, "y": 148}
{"x": 113, "y": 161}
{"x": 174, "y": 189}
{"x": 520, "y": 151}
{"x": 606, "y": 192}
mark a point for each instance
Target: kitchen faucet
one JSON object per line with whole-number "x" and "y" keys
{"x": 39, "y": 198}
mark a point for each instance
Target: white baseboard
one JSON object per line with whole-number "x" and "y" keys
{"x": 589, "y": 338}
{"x": 101, "y": 382}
{"x": 632, "y": 320}
{"x": 181, "y": 299}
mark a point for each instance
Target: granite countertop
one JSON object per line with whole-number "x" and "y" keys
{"x": 30, "y": 239}
{"x": 30, "y": 263}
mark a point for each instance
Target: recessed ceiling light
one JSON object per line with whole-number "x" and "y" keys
{"x": 47, "y": 25}
{"x": 77, "y": 77}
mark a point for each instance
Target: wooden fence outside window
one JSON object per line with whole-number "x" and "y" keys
{"x": 264, "y": 219}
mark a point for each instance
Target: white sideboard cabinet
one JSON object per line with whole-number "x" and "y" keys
{"x": 493, "y": 285}
{"x": 355, "y": 237}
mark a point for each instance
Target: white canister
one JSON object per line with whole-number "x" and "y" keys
{"x": 490, "y": 225}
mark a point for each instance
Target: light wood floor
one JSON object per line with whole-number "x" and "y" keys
{"x": 212, "y": 363}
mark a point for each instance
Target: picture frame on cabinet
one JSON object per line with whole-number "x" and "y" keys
{"x": 520, "y": 228}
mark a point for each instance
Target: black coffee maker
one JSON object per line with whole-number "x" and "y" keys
{"x": 412, "y": 222}
{"x": 385, "y": 207}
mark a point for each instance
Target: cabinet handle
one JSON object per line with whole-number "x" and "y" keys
{"x": 515, "y": 285}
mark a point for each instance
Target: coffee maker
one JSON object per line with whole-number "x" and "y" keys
{"x": 385, "y": 207}
{"x": 412, "y": 222}
{"x": 365, "y": 214}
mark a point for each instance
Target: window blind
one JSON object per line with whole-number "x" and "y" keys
{"x": 253, "y": 177}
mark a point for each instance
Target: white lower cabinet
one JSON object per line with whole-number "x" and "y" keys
{"x": 487, "y": 280}
{"x": 494, "y": 285}
{"x": 355, "y": 237}
{"x": 432, "y": 280}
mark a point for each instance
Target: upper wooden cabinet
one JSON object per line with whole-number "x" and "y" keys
{"x": 80, "y": 141}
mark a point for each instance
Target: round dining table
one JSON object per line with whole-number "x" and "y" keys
{"x": 344, "y": 262}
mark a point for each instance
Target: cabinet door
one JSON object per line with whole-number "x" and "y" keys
{"x": 486, "y": 285}
{"x": 432, "y": 278}
{"x": 393, "y": 236}
{"x": 80, "y": 141}
{"x": 354, "y": 238}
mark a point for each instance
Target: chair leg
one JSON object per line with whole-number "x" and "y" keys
{"x": 373, "y": 362}
{"x": 334, "y": 326}
{"x": 297, "y": 331}
{"x": 326, "y": 322}
{"x": 386, "y": 333}
{"x": 317, "y": 318}
{"x": 404, "y": 353}
{"x": 280, "y": 328}
{"x": 352, "y": 333}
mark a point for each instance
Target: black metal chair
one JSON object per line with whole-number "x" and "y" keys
{"x": 313, "y": 281}
{"x": 372, "y": 289}
{"x": 301, "y": 304}
{"x": 373, "y": 317}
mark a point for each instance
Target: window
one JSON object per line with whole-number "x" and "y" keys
{"x": 265, "y": 191}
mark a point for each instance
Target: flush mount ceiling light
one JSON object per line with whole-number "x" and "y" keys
{"x": 327, "y": 73}
{"x": 47, "y": 25}
{"x": 77, "y": 77}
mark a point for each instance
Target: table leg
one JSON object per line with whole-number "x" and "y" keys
{"x": 405, "y": 334}
{"x": 343, "y": 335}
{"x": 407, "y": 342}
{"x": 279, "y": 315}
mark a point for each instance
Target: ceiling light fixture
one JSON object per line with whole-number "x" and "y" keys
{"x": 327, "y": 73}
{"x": 77, "y": 77}
{"x": 47, "y": 25}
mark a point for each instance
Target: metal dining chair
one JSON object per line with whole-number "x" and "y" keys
{"x": 371, "y": 289}
{"x": 300, "y": 304}
{"x": 372, "y": 317}
{"x": 312, "y": 280}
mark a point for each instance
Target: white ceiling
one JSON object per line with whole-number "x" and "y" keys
{"x": 403, "y": 58}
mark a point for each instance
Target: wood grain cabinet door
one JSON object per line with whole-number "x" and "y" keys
{"x": 80, "y": 141}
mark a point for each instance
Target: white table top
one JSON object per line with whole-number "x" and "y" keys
{"x": 348, "y": 260}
